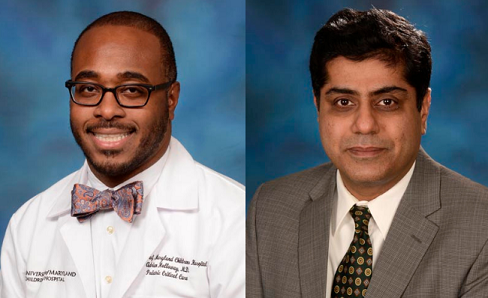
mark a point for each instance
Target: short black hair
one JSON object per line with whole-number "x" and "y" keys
{"x": 375, "y": 33}
{"x": 144, "y": 23}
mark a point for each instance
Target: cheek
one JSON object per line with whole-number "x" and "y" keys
{"x": 406, "y": 134}
{"x": 80, "y": 116}
{"x": 332, "y": 127}
{"x": 76, "y": 117}
{"x": 324, "y": 128}
{"x": 147, "y": 121}
{"x": 330, "y": 133}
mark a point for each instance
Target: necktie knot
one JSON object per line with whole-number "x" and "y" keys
{"x": 361, "y": 216}
{"x": 126, "y": 201}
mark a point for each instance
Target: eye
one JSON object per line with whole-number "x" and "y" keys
{"x": 87, "y": 90}
{"x": 343, "y": 102}
{"x": 388, "y": 104}
{"x": 132, "y": 91}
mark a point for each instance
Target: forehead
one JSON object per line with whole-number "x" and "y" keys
{"x": 108, "y": 50}
{"x": 368, "y": 74}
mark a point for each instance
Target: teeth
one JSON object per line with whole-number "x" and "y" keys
{"x": 111, "y": 138}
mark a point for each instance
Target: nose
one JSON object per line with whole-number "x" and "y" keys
{"x": 365, "y": 120}
{"x": 109, "y": 108}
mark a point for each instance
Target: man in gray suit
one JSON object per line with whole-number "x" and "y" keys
{"x": 382, "y": 219}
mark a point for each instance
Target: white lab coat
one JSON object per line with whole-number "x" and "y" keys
{"x": 189, "y": 240}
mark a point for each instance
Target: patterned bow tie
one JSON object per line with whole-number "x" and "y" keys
{"x": 126, "y": 201}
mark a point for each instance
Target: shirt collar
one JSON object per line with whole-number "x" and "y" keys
{"x": 382, "y": 208}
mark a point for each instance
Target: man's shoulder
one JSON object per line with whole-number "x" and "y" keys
{"x": 303, "y": 179}
{"x": 219, "y": 180}
{"x": 182, "y": 164}
{"x": 41, "y": 204}
{"x": 459, "y": 187}
{"x": 454, "y": 180}
{"x": 451, "y": 183}
{"x": 293, "y": 191}
{"x": 219, "y": 190}
{"x": 460, "y": 201}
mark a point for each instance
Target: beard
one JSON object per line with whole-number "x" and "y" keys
{"x": 148, "y": 146}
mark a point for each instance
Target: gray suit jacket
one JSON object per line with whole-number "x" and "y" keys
{"x": 436, "y": 245}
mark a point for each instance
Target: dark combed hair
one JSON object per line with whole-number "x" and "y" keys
{"x": 144, "y": 23}
{"x": 376, "y": 33}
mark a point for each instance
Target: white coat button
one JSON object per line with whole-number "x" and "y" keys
{"x": 108, "y": 279}
{"x": 110, "y": 230}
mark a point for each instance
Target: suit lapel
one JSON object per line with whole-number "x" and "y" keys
{"x": 411, "y": 232}
{"x": 313, "y": 239}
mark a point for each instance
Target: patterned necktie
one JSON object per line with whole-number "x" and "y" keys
{"x": 126, "y": 201}
{"x": 354, "y": 272}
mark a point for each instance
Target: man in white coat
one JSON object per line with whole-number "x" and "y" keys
{"x": 141, "y": 218}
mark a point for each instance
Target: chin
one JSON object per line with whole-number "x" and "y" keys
{"x": 367, "y": 175}
{"x": 110, "y": 163}
{"x": 369, "y": 180}
{"x": 111, "y": 169}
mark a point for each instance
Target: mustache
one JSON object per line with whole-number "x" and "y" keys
{"x": 366, "y": 141}
{"x": 102, "y": 123}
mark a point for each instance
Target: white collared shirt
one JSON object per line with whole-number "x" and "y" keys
{"x": 109, "y": 232}
{"x": 341, "y": 232}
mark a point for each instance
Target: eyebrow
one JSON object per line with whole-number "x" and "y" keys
{"x": 90, "y": 74}
{"x": 341, "y": 91}
{"x": 133, "y": 75}
{"x": 86, "y": 74}
{"x": 383, "y": 90}
{"x": 388, "y": 89}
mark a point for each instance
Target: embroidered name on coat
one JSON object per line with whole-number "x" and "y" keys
{"x": 48, "y": 275}
{"x": 172, "y": 267}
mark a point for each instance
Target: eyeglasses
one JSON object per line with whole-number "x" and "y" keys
{"x": 127, "y": 95}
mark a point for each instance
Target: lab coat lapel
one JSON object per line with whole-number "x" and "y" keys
{"x": 411, "y": 232}
{"x": 76, "y": 236}
{"x": 313, "y": 240}
{"x": 176, "y": 189}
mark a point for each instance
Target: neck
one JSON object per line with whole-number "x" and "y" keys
{"x": 366, "y": 193}
{"x": 370, "y": 190}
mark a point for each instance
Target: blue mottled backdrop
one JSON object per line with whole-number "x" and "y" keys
{"x": 36, "y": 39}
{"x": 281, "y": 131}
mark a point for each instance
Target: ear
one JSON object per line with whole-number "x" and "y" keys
{"x": 424, "y": 112}
{"x": 173, "y": 96}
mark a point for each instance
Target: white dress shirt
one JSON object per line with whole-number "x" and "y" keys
{"x": 341, "y": 232}
{"x": 109, "y": 232}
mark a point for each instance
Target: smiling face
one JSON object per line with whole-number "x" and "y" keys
{"x": 121, "y": 142}
{"x": 369, "y": 124}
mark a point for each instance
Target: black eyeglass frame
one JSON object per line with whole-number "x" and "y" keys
{"x": 150, "y": 88}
